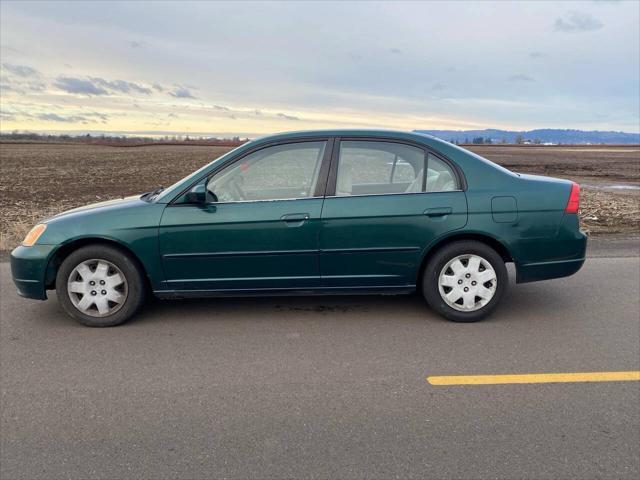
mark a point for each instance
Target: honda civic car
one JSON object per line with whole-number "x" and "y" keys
{"x": 315, "y": 212}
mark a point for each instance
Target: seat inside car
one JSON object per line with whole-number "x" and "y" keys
{"x": 444, "y": 183}
{"x": 344, "y": 184}
{"x": 416, "y": 185}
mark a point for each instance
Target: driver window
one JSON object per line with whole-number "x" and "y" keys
{"x": 274, "y": 173}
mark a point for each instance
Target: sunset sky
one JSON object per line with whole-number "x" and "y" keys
{"x": 214, "y": 68}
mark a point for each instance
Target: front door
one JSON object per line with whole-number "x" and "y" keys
{"x": 385, "y": 203}
{"x": 259, "y": 230}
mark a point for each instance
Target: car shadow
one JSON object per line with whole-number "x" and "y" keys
{"x": 517, "y": 304}
{"x": 309, "y": 307}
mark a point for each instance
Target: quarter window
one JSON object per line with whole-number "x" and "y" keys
{"x": 367, "y": 167}
{"x": 274, "y": 173}
{"x": 440, "y": 176}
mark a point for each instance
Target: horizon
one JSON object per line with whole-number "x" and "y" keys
{"x": 254, "y": 68}
{"x": 228, "y": 135}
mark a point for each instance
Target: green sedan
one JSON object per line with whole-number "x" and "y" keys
{"x": 317, "y": 212}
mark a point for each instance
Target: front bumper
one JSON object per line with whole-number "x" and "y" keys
{"x": 28, "y": 269}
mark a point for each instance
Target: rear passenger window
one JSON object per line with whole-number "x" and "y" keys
{"x": 374, "y": 168}
{"x": 440, "y": 176}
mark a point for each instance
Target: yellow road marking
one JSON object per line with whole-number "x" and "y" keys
{"x": 633, "y": 376}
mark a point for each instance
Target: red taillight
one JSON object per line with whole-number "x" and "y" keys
{"x": 574, "y": 199}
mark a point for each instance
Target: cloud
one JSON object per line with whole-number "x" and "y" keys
{"x": 220, "y": 107}
{"x": 20, "y": 70}
{"x": 7, "y": 116}
{"x": 34, "y": 86}
{"x": 54, "y": 117}
{"x": 21, "y": 87}
{"x": 287, "y": 117}
{"x": 11, "y": 49}
{"x": 172, "y": 115}
{"x": 121, "y": 86}
{"x": 84, "y": 118}
{"x": 575, "y": 22}
{"x": 101, "y": 116}
{"x": 521, "y": 78}
{"x": 99, "y": 86}
{"x": 537, "y": 55}
{"x": 79, "y": 86}
{"x": 158, "y": 87}
{"x": 181, "y": 92}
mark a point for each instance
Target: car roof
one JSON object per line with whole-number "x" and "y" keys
{"x": 374, "y": 133}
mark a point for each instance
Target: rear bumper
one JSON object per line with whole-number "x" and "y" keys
{"x": 547, "y": 270}
{"x": 28, "y": 269}
{"x": 557, "y": 257}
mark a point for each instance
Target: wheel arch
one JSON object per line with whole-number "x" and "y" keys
{"x": 488, "y": 240}
{"x": 66, "y": 249}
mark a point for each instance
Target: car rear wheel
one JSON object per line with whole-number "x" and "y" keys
{"x": 100, "y": 286}
{"x": 464, "y": 281}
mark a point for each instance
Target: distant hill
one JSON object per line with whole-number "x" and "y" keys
{"x": 544, "y": 135}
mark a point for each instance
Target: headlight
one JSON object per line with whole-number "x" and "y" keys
{"x": 33, "y": 235}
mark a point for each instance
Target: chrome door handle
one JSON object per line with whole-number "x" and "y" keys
{"x": 438, "y": 212}
{"x": 294, "y": 217}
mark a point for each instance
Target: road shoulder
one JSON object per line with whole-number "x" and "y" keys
{"x": 613, "y": 246}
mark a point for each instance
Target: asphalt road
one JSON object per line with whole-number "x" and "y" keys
{"x": 325, "y": 387}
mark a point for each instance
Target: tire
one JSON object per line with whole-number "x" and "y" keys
{"x": 109, "y": 301}
{"x": 485, "y": 281}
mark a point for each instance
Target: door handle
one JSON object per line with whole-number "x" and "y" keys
{"x": 294, "y": 217}
{"x": 438, "y": 212}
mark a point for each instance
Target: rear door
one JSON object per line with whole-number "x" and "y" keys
{"x": 259, "y": 230}
{"x": 386, "y": 201}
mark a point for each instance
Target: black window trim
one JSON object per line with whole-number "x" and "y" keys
{"x": 335, "y": 157}
{"x": 327, "y": 177}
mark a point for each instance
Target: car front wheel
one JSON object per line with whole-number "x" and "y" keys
{"x": 464, "y": 281}
{"x": 100, "y": 286}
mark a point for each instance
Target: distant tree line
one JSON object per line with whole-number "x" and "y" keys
{"x": 120, "y": 140}
{"x": 519, "y": 140}
{"x": 476, "y": 141}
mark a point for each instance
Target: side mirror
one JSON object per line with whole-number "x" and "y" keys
{"x": 197, "y": 194}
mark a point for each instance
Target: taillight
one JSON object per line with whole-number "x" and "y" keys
{"x": 574, "y": 199}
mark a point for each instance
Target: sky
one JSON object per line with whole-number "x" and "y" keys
{"x": 253, "y": 68}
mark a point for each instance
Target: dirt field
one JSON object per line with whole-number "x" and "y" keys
{"x": 39, "y": 180}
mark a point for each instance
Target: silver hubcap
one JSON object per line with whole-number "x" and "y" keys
{"x": 97, "y": 288}
{"x": 467, "y": 283}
